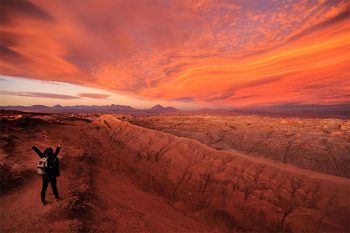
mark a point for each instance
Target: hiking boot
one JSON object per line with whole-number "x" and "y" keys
{"x": 43, "y": 203}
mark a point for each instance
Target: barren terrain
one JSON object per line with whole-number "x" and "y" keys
{"x": 119, "y": 177}
{"x": 321, "y": 145}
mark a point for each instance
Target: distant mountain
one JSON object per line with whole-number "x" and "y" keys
{"x": 94, "y": 109}
{"x": 160, "y": 109}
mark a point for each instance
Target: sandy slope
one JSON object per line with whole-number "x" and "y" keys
{"x": 129, "y": 209}
{"x": 118, "y": 177}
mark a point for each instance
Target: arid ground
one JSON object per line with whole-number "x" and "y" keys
{"x": 177, "y": 173}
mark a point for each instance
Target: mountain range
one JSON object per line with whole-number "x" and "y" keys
{"x": 338, "y": 111}
{"x": 93, "y": 109}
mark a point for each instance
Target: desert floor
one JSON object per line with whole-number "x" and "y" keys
{"x": 177, "y": 173}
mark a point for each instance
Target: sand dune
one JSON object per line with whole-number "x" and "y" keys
{"x": 119, "y": 177}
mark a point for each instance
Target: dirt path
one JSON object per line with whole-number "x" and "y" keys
{"x": 21, "y": 209}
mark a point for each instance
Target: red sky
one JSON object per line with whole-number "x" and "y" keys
{"x": 207, "y": 53}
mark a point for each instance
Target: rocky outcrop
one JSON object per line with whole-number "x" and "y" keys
{"x": 241, "y": 192}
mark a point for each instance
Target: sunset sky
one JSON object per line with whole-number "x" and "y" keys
{"x": 188, "y": 54}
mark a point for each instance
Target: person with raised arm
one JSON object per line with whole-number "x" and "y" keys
{"x": 48, "y": 168}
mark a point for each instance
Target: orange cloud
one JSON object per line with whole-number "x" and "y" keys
{"x": 222, "y": 53}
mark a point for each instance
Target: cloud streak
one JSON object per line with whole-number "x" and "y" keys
{"x": 39, "y": 95}
{"x": 55, "y": 96}
{"x": 94, "y": 95}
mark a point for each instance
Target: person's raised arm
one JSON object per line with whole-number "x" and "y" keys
{"x": 34, "y": 148}
{"x": 58, "y": 149}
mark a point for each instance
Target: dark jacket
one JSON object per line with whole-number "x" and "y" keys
{"x": 53, "y": 168}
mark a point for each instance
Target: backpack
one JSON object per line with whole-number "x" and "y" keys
{"x": 41, "y": 166}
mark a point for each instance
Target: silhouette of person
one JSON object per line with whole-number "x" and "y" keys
{"x": 52, "y": 171}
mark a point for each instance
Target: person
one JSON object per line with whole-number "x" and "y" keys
{"x": 52, "y": 171}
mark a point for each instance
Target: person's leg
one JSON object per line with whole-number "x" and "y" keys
{"x": 44, "y": 188}
{"x": 54, "y": 186}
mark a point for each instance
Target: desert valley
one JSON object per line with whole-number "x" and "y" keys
{"x": 177, "y": 173}
{"x": 174, "y": 116}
